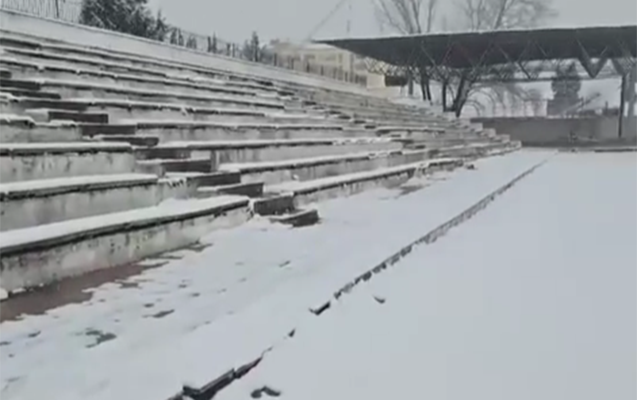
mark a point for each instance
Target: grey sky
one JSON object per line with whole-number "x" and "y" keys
{"x": 294, "y": 19}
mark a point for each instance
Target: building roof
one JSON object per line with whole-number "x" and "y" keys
{"x": 469, "y": 50}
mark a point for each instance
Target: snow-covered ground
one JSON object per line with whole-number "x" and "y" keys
{"x": 208, "y": 311}
{"x": 534, "y": 298}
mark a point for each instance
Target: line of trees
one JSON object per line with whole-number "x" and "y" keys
{"x": 127, "y": 16}
{"x": 134, "y": 17}
{"x": 420, "y": 16}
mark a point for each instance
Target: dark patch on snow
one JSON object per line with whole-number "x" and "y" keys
{"x": 34, "y": 334}
{"x": 198, "y": 247}
{"x": 285, "y": 263}
{"x": 149, "y": 305}
{"x": 321, "y": 309}
{"x": 380, "y": 300}
{"x": 72, "y": 290}
{"x": 100, "y": 337}
{"x": 266, "y": 390}
{"x": 196, "y": 294}
{"x": 128, "y": 285}
{"x": 163, "y": 314}
{"x": 409, "y": 189}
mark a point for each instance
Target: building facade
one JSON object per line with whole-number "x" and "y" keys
{"x": 327, "y": 61}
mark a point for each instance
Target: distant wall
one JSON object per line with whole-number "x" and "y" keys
{"x": 542, "y": 131}
{"x": 81, "y": 35}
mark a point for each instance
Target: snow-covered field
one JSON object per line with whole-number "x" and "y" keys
{"x": 535, "y": 298}
{"x": 210, "y": 310}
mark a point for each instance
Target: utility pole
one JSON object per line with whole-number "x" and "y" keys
{"x": 622, "y": 105}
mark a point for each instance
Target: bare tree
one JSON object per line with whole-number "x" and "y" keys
{"x": 409, "y": 17}
{"x": 492, "y": 15}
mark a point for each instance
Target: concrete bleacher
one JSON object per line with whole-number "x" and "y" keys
{"x": 107, "y": 157}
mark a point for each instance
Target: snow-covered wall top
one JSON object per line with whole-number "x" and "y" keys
{"x": 21, "y": 23}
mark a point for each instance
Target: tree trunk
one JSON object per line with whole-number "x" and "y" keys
{"x": 425, "y": 84}
{"x": 461, "y": 96}
{"x": 445, "y": 84}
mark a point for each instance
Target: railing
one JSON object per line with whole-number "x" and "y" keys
{"x": 70, "y": 11}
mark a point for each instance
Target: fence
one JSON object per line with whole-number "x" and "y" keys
{"x": 70, "y": 11}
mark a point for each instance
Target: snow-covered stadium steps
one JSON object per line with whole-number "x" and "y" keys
{"x": 169, "y": 131}
{"x": 44, "y": 201}
{"x": 93, "y": 58}
{"x": 121, "y": 111}
{"x": 22, "y": 67}
{"x": 245, "y": 151}
{"x": 41, "y": 255}
{"x": 83, "y": 89}
{"x": 385, "y": 110}
{"x": 22, "y": 129}
{"x": 300, "y": 193}
{"x": 302, "y": 169}
{"x": 35, "y": 161}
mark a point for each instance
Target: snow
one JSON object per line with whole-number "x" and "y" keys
{"x": 239, "y": 296}
{"x": 251, "y": 100}
{"x": 16, "y": 118}
{"x": 124, "y": 77}
{"x": 73, "y": 181}
{"x": 235, "y": 125}
{"x": 300, "y": 161}
{"x": 534, "y": 298}
{"x": 203, "y": 144}
{"x": 299, "y": 187}
{"x": 166, "y": 209}
{"x": 62, "y": 146}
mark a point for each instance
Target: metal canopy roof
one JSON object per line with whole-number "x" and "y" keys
{"x": 472, "y": 50}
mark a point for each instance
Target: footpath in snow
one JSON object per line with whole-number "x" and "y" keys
{"x": 532, "y": 299}
{"x": 197, "y": 316}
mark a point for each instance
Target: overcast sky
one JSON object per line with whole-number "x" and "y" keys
{"x": 295, "y": 19}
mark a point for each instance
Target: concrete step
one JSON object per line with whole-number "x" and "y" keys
{"x": 23, "y": 84}
{"x": 304, "y": 192}
{"x": 241, "y": 151}
{"x": 274, "y": 204}
{"x": 5, "y": 74}
{"x": 203, "y": 131}
{"x": 207, "y": 179}
{"x": 24, "y": 68}
{"x": 21, "y": 129}
{"x": 303, "y": 169}
{"x": 90, "y": 129}
{"x": 24, "y": 103}
{"x": 44, "y": 254}
{"x": 31, "y": 94}
{"x": 298, "y": 218}
{"x": 47, "y": 114}
{"x": 35, "y": 161}
{"x": 44, "y": 201}
{"x": 80, "y": 89}
{"x": 254, "y": 189}
{"x": 163, "y": 166}
{"x": 135, "y": 140}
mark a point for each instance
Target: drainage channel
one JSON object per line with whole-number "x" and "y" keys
{"x": 210, "y": 390}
